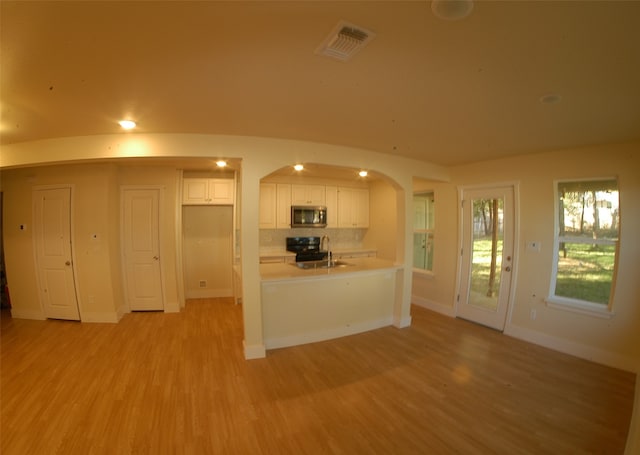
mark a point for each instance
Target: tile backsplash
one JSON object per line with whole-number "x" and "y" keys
{"x": 340, "y": 238}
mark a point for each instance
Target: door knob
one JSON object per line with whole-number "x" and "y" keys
{"x": 67, "y": 263}
{"x": 156, "y": 258}
{"x": 507, "y": 269}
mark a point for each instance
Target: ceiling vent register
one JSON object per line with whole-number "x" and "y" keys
{"x": 344, "y": 41}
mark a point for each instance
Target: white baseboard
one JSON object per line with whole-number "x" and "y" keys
{"x": 208, "y": 293}
{"x": 27, "y": 314}
{"x": 255, "y": 351}
{"x": 402, "y": 322}
{"x": 172, "y": 307}
{"x": 328, "y": 334}
{"x": 572, "y": 348}
{"x": 433, "y": 306}
{"x": 107, "y": 317}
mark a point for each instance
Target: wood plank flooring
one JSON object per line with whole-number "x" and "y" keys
{"x": 178, "y": 384}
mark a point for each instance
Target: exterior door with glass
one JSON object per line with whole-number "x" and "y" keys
{"x": 486, "y": 255}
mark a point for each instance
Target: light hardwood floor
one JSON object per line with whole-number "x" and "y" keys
{"x": 178, "y": 384}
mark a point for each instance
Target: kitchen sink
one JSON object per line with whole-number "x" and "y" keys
{"x": 306, "y": 265}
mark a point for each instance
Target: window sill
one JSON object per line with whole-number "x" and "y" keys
{"x": 576, "y": 306}
{"x": 423, "y": 273}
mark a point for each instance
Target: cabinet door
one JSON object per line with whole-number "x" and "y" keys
{"x": 307, "y": 195}
{"x": 316, "y": 194}
{"x": 221, "y": 191}
{"x": 195, "y": 191}
{"x": 345, "y": 207}
{"x": 361, "y": 213}
{"x": 331, "y": 194}
{"x": 283, "y": 206}
{"x": 267, "y": 206}
{"x": 353, "y": 207}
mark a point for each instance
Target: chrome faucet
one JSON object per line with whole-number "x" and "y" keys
{"x": 326, "y": 248}
{"x": 322, "y": 245}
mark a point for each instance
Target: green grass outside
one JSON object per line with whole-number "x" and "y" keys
{"x": 482, "y": 266}
{"x": 585, "y": 274}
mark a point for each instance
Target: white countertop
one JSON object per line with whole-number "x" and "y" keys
{"x": 288, "y": 271}
{"x": 275, "y": 252}
{"x": 281, "y": 252}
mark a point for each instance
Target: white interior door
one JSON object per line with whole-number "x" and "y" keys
{"x": 487, "y": 255}
{"x": 52, "y": 232}
{"x": 141, "y": 249}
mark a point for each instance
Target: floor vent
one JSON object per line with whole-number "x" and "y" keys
{"x": 344, "y": 41}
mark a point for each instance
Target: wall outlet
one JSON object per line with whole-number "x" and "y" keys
{"x": 533, "y": 314}
{"x": 203, "y": 284}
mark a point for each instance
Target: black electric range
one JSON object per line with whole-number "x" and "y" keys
{"x": 306, "y": 248}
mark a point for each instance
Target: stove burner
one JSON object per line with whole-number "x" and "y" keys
{"x": 306, "y": 248}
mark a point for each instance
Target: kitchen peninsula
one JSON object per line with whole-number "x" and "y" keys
{"x": 307, "y": 305}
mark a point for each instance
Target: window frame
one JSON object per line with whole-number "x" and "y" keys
{"x": 431, "y": 231}
{"x": 572, "y": 304}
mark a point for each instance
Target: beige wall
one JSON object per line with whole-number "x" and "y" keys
{"x": 383, "y": 229}
{"x": 207, "y": 250}
{"x": 93, "y": 208}
{"x": 614, "y": 341}
{"x": 260, "y": 157}
{"x": 95, "y": 213}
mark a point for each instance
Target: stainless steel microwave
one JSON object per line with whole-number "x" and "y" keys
{"x": 308, "y": 216}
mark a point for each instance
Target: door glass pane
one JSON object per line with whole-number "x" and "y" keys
{"x": 486, "y": 259}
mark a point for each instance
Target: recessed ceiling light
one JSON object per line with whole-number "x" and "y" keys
{"x": 550, "y": 98}
{"x": 451, "y": 10}
{"x": 363, "y": 173}
{"x": 221, "y": 163}
{"x": 127, "y": 124}
{"x": 298, "y": 167}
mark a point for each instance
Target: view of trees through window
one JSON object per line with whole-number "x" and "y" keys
{"x": 588, "y": 225}
{"x": 488, "y": 235}
{"x": 423, "y": 225}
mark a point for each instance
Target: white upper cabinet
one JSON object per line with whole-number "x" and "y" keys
{"x": 346, "y": 207}
{"x": 208, "y": 191}
{"x": 283, "y": 206}
{"x": 353, "y": 207}
{"x": 308, "y": 195}
{"x": 275, "y": 206}
{"x": 267, "y": 218}
{"x": 331, "y": 193}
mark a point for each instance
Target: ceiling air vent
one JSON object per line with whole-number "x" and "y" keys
{"x": 344, "y": 41}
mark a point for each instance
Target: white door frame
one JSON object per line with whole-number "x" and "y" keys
{"x": 71, "y": 188}
{"x": 161, "y": 217}
{"x": 516, "y": 243}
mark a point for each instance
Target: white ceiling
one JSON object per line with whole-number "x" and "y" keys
{"x": 447, "y": 92}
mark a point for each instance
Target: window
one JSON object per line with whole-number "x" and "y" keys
{"x": 586, "y": 244}
{"x": 423, "y": 226}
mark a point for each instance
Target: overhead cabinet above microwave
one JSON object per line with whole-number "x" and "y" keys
{"x": 208, "y": 191}
{"x": 308, "y": 195}
{"x": 276, "y": 201}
